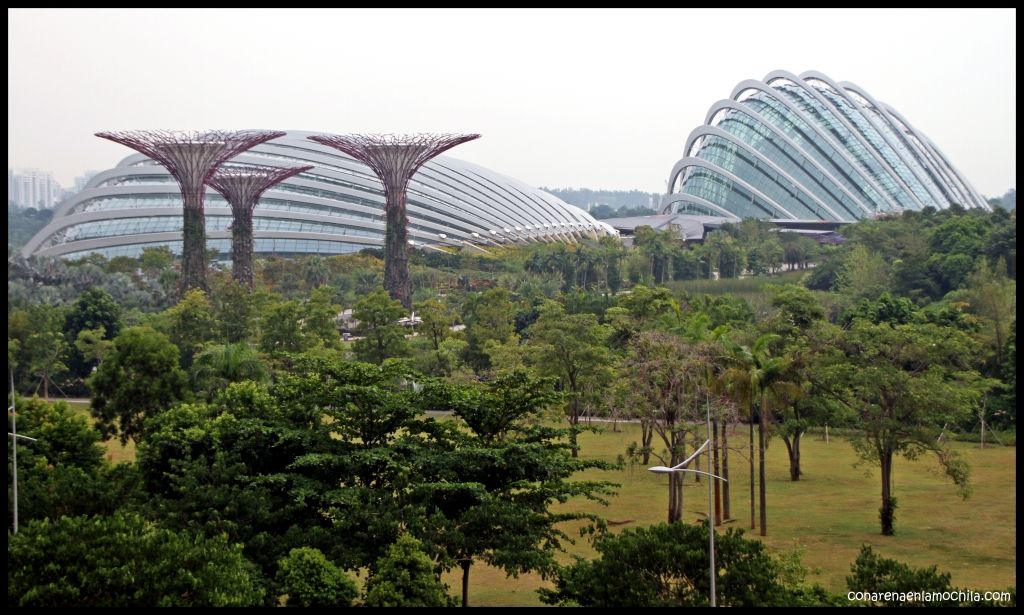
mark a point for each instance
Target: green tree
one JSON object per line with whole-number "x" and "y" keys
{"x": 191, "y": 324}
{"x": 237, "y": 310}
{"x": 904, "y": 384}
{"x": 875, "y": 574}
{"x": 668, "y": 565}
{"x": 155, "y": 261}
{"x": 47, "y": 352}
{"x": 884, "y": 309}
{"x": 94, "y": 309}
{"x": 92, "y": 345}
{"x": 758, "y": 372}
{"x": 217, "y": 366}
{"x": 382, "y": 336}
{"x": 864, "y": 275}
{"x": 955, "y": 246}
{"x": 667, "y": 376}
{"x": 572, "y": 348}
{"x": 315, "y": 272}
{"x": 140, "y": 379}
{"x": 282, "y": 329}
{"x": 312, "y": 580}
{"x": 320, "y": 321}
{"x": 489, "y": 316}
{"x": 658, "y": 246}
{"x": 726, "y": 254}
{"x": 800, "y": 324}
{"x": 436, "y": 320}
{"x": 62, "y": 471}
{"x": 124, "y": 561}
{"x": 798, "y": 307}
{"x": 487, "y": 495}
{"x": 648, "y": 305}
{"x": 993, "y": 296}
{"x": 405, "y": 577}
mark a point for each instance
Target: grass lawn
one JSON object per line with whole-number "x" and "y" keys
{"x": 826, "y": 516}
{"x": 116, "y": 452}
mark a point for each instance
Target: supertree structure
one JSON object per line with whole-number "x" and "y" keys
{"x": 395, "y": 159}
{"x": 191, "y": 157}
{"x": 242, "y": 188}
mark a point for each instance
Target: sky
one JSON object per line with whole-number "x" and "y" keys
{"x": 563, "y": 98}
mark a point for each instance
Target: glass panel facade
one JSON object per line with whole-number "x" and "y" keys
{"x": 277, "y": 246}
{"x": 831, "y": 124}
{"x": 167, "y": 224}
{"x": 760, "y": 176}
{"x": 790, "y": 159}
{"x": 875, "y": 139}
{"x": 821, "y": 150}
{"x": 722, "y": 191}
{"x": 804, "y": 147}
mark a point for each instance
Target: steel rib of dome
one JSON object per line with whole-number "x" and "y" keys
{"x": 808, "y": 148}
{"x": 335, "y": 208}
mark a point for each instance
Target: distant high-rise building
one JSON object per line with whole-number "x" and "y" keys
{"x": 33, "y": 188}
{"x": 82, "y": 180}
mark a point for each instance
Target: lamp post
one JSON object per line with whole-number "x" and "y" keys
{"x": 681, "y": 467}
{"x": 14, "y": 444}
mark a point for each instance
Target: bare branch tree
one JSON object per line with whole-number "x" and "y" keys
{"x": 395, "y": 159}
{"x": 242, "y": 188}
{"x": 191, "y": 157}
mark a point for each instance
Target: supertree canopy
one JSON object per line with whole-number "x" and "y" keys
{"x": 395, "y": 159}
{"x": 191, "y": 157}
{"x": 242, "y": 188}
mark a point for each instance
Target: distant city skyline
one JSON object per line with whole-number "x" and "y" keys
{"x": 602, "y": 99}
{"x": 33, "y": 188}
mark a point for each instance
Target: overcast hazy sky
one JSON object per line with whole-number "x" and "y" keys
{"x": 597, "y": 98}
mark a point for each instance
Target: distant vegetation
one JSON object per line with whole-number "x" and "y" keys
{"x": 609, "y": 203}
{"x": 1008, "y": 201}
{"x": 24, "y": 222}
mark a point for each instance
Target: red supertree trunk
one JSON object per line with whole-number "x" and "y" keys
{"x": 395, "y": 159}
{"x": 242, "y": 188}
{"x": 242, "y": 247}
{"x": 396, "y": 250}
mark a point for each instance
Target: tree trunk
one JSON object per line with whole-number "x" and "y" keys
{"x": 696, "y": 464}
{"x": 574, "y": 421}
{"x": 761, "y": 432}
{"x": 242, "y": 247}
{"x": 675, "y": 479}
{"x": 466, "y": 563}
{"x": 396, "y": 250}
{"x": 646, "y": 437}
{"x": 888, "y": 511}
{"x": 793, "y": 448}
{"x": 672, "y": 517}
{"x": 725, "y": 471}
{"x": 753, "y": 523}
{"x": 46, "y": 387}
{"x": 716, "y": 470}
{"x": 193, "y": 252}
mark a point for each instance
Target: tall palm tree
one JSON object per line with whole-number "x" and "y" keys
{"x": 217, "y": 366}
{"x": 315, "y": 272}
{"x": 760, "y": 373}
{"x": 698, "y": 329}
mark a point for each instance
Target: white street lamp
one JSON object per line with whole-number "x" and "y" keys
{"x": 681, "y": 467}
{"x": 14, "y": 445}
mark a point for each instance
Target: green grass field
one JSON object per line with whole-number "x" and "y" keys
{"x": 826, "y": 516}
{"x": 116, "y": 452}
